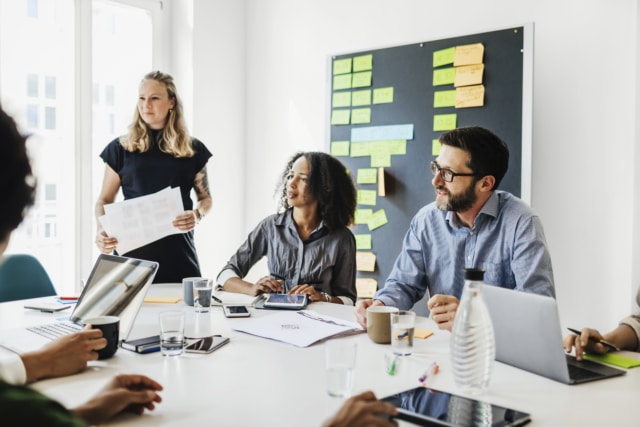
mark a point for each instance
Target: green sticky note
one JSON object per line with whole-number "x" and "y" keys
{"x": 342, "y": 66}
{"x": 444, "y": 56}
{"x": 383, "y": 95}
{"x": 360, "y": 149}
{"x": 340, "y": 148}
{"x": 360, "y": 115}
{"x": 362, "y": 216}
{"x": 397, "y": 146}
{"x": 443, "y": 76}
{"x": 342, "y": 81}
{"x": 614, "y": 359}
{"x": 367, "y": 197}
{"x": 341, "y": 99}
{"x": 367, "y": 176}
{"x": 361, "y": 97}
{"x": 382, "y": 160}
{"x": 363, "y": 62}
{"x": 378, "y": 219}
{"x": 443, "y": 98}
{"x": 363, "y": 241}
{"x": 442, "y": 122}
{"x": 362, "y": 79}
{"x": 340, "y": 117}
{"x": 435, "y": 147}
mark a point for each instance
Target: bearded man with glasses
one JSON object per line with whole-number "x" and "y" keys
{"x": 471, "y": 224}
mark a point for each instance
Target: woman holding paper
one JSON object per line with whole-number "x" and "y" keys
{"x": 157, "y": 153}
{"x": 309, "y": 247}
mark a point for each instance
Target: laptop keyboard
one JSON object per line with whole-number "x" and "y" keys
{"x": 56, "y": 330}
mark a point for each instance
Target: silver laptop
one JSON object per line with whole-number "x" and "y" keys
{"x": 529, "y": 336}
{"x": 116, "y": 287}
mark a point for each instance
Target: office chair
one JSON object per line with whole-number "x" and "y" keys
{"x": 23, "y": 277}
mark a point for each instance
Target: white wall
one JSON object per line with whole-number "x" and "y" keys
{"x": 260, "y": 93}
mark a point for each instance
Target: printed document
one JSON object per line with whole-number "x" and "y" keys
{"x": 142, "y": 220}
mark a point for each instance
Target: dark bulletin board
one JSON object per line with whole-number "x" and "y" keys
{"x": 409, "y": 70}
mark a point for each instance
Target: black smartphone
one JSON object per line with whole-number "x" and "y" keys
{"x": 207, "y": 344}
{"x": 235, "y": 311}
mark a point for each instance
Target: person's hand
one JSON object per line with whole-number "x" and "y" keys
{"x": 105, "y": 243}
{"x": 186, "y": 221}
{"x": 361, "y": 310}
{"x": 269, "y": 285}
{"x": 443, "y": 310}
{"x": 66, "y": 355}
{"x": 586, "y": 342}
{"x": 308, "y": 290}
{"x": 363, "y": 410}
{"x": 124, "y": 393}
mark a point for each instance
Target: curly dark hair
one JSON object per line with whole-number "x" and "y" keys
{"x": 17, "y": 184}
{"x": 330, "y": 184}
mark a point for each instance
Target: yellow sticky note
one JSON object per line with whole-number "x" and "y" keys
{"x": 360, "y": 149}
{"x": 443, "y": 98}
{"x": 397, "y": 146}
{"x": 442, "y": 122}
{"x": 363, "y": 62}
{"x": 468, "y": 54}
{"x": 381, "y": 160}
{"x": 366, "y": 287}
{"x": 339, "y": 148}
{"x": 383, "y": 95}
{"x": 342, "y": 81}
{"x": 365, "y": 261}
{"x": 443, "y": 56}
{"x": 361, "y": 97}
{"x": 367, "y": 197}
{"x": 363, "y": 242}
{"x": 367, "y": 176}
{"x": 378, "y": 219}
{"x": 361, "y": 79}
{"x": 341, "y": 99}
{"x": 469, "y": 75}
{"x": 361, "y": 216}
{"x": 340, "y": 117}
{"x": 360, "y": 115}
{"x": 342, "y": 66}
{"x": 422, "y": 333}
{"x": 470, "y": 96}
{"x": 435, "y": 147}
{"x": 443, "y": 76}
{"x": 162, "y": 300}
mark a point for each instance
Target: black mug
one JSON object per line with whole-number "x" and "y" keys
{"x": 110, "y": 327}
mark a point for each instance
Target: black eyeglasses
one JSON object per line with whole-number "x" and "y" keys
{"x": 447, "y": 175}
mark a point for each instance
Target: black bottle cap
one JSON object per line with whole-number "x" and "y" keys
{"x": 473, "y": 274}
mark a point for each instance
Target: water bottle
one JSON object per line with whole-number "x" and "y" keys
{"x": 472, "y": 341}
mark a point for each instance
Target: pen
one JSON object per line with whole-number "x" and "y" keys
{"x": 68, "y": 298}
{"x": 603, "y": 342}
{"x": 216, "y": 299}
{"x": 431, "y": 370}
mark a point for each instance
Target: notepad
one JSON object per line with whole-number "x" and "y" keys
{"x": 162, "y": 300}
{"x": 422, "y": 333}
{"x": 614, "y": 359}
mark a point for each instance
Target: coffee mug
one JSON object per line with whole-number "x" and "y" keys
{"x": 379, "y": 323}
{"x": 110, "y": 327}
{"x": 187, "y": 289}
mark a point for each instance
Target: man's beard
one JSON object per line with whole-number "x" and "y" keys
{"x": 457, "y": 202}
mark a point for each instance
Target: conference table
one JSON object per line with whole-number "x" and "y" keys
{"x": 257, "y": 381}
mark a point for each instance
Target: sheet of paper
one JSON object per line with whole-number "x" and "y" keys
{"x": 233, "y": 298}
{"x": 300, "y": 328}
{"x": 142, "y": 220}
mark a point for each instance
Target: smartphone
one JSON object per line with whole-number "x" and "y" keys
{"x": 207, "y": 344}
{"x": 236, "y": 311}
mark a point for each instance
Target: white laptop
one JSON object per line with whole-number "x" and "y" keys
{"x": 529, "y": 336}
{"x": 116, "y": 287}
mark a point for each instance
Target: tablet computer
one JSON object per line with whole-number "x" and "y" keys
{"x": 428, "y": 407}
{"x": 293, "y": 302}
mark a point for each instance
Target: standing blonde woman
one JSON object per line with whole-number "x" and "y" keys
{"x": 156, "y": 153}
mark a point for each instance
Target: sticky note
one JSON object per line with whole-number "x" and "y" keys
{"x": 614, "y": 359}
{"x": 361, "y": 97}
{"x": 361, "y": 79}
{"x": 360, "y": 115}
{"x": 365, "y": 261}
{"x": 367, "y": 197}
{"x": 469, "y": 75}
{"x": 367, "y": 176}
{"x": 444, "y": 76}
{"x": 468, "y": 54}
{"x": 342, "y": 81}
{"x": 443, "y": 98}
{"x": 339, "y": 148}
{"x": 340, "y": 117}
{"x": 443, "y": 56}
{"x": 469, "y": 96}
{"x": 361, "y": 216}
{"x": 162, "y": 300}
{"x": 378, "y": 219}
{"x": 435, "y": 147}
{"x": 342, "y": 66}
{"x": 366, "y": 287}
{"x": 442, "y": 122}
{"x": 422, "y": 333}
{"x": 383, "y": 95}
{"x": 363, "y": 241}
{"x": 341, "y": 99}
{"x": 363, "y": 62}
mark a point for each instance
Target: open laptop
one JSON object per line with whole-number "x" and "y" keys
{"x": 528, "y": 336}
{"x": 116, "y": 287}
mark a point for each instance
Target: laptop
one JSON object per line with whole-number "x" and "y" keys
{"x": 116, "y": 287}
{"x": 528, "y": 336}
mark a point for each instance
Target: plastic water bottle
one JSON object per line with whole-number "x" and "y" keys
{"x": 472, "y": 341}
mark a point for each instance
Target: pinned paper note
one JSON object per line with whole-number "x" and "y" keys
{"x": 363, "y": 62}
{"x": 367, "y": 176}
{"x": 378, "y": 219}
{"x": 367, "y": 197}
{"x": 342, "y": 66}
{"x": 468, "y": 54}
{"x": 469, "y": 96}
{"x": 469, "y": 75}
{"x": 362, "y": 216}
{"x": 443, "y": 56}
{"x": 363, "y": 242}
{"x": 366, "y": 287}
{"x": 361, "y": 97}
{"x": 444, "y": 122}
{"x": 383, "y": 95}
{"x": 365, "y": 261}
{"x": 339, "y": 148}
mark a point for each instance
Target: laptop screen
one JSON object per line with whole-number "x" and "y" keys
{"x": 116, "y": 287}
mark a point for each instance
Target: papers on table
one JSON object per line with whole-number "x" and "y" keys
{"x": 142, "y": 220}
{"x": 300, "y": 328}
{"x": 232, "y": 298}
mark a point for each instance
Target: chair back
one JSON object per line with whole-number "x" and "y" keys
{"x": 23, "y": 277}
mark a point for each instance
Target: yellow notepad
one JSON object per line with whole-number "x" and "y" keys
{"x": 162, "y": 300}
{"x": 422, "y": 333}
{"x": 614, "y": 359}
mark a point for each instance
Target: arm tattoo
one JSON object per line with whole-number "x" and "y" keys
{"x": 202, "y": 182}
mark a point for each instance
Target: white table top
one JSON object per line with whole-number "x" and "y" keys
{"x": 256, "y": 381}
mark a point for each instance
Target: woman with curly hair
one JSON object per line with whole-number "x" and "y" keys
{"x": 157, "y": 153}
{"x": 309, "y": 247}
